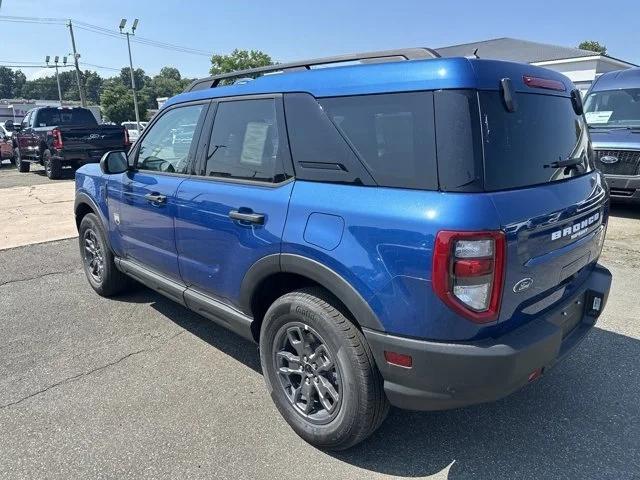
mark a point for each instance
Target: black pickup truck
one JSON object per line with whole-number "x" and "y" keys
{"x": 63, "y": 137}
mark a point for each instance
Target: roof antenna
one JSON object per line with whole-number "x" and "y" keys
{"x": 473, "y": 55}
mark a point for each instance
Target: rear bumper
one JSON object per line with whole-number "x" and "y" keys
{"x": 79, "y": 158}
{"x": 450, "y": 375}
{"x": 624, "y": 188}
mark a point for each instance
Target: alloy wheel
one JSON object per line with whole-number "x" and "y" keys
{"x": 308, "y": 372}
{"x": 94, "y": 258}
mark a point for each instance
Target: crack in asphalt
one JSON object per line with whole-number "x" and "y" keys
{"x": 90, "y": 372}
{"x": 18, "y": 280}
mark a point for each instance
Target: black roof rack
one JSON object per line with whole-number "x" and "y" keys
{"x": 419, "y": 53}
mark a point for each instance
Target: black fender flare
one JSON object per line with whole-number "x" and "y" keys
{"x": 83, "y": 198}
{"x": 313, "y": 270}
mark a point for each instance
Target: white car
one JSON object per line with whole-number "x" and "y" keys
{"x": 132, "y": 129}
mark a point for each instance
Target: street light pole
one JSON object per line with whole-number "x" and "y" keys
{"x": 133, "y": 79}
{"x": 55, "y": 62}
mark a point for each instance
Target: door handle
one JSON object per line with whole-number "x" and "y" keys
{"x": 257, "y": 218}
{"x": 155, "y": 198}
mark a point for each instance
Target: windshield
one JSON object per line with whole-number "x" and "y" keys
{"x": 613, "y": 108}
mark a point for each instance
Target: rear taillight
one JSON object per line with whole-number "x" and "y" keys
{"x": 468, "y": 272}
{"x": 127, "y": 142}
{"x": 57, "y": 138}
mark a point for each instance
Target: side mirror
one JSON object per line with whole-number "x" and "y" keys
{"x": 9, "y": 125}
{"x": 114, "y": 162}
{"x": 576, "y": 101}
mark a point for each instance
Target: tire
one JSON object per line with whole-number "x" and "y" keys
{"x": 52, "y": 167}
{"x": 309, "y": 323}
{"x": 22, "y": 166}
{"x": 97, "y": 259}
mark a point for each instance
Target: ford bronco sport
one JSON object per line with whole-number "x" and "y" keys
{"x": 411, "y": 230}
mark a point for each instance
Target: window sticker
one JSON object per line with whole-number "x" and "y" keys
{"x": 255, "y": 138}
{"x": 598, "y": 117}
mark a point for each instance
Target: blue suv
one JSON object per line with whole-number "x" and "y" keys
{"x": 399, "y": 230}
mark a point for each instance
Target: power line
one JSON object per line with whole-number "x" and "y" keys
{"x": 102, "y": 67}
{"x": 106, "y": 32}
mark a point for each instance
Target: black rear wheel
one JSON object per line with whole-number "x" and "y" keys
{"x": 52, "y": 166}
{"x": 320, "y": 371}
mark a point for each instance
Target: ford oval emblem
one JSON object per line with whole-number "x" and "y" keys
{"x": 522, "y": 285}
{"x": 608, "y": 159}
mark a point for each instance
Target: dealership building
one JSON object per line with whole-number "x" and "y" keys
{"x": 581, "y": 66}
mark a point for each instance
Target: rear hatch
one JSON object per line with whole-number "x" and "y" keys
{"x": 554, "y": 215}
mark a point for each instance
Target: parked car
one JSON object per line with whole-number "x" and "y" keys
{"x": 132, "y": 129}
{"x": 612, "y": 110}
{"x": 63, "y": 137}
{"x": 421, "y": 233}
{"x": 6, "y": 144}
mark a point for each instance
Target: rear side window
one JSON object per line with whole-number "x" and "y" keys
{"x": 393, "y": 134}
{"x": 247, "y": 142}
{"x": 520, "y": 147}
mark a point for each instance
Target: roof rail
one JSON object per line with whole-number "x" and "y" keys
{"x": 418, "y": 53}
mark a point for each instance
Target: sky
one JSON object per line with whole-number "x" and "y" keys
{"x": 289, "y": 30}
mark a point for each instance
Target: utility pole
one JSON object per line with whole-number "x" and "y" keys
{"x": 123, "y": 22}
{"x": 76, "y": 56}
{"x": 55, "y": 61}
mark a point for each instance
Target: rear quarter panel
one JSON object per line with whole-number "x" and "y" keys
{"x": 385, "y": 246}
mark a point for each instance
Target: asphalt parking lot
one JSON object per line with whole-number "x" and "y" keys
{"x": 139, "y": 387}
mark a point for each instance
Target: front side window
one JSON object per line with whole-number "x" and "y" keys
{"x": 613, "y": 108}
{"x": 166, "y": 146}
{"x": 246, "y": 142}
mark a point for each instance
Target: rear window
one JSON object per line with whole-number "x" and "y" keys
{"x": 393, "y": 134}
{"x": 61, "y": 117}
{"x": 520, "y": 146}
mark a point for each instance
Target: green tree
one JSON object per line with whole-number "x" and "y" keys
{"x": 239, "y": 60}
{"x": 19, "y": 80}
{"x": 593, "y": 46}
{"x": 7, "y": 82}
{"x": 140, "y": 76}
{"x": 92, "y": 85}
{"x": 117, "y": 105}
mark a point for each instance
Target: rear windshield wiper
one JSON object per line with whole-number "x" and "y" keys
{"x": 566, "y": 163}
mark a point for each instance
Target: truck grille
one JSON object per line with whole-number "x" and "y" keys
{"x": 628, "y": 162}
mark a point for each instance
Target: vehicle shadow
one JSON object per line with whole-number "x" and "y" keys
{"x": 218, "y": 337}
{"x": 67, "y": 174}
{"x": 581, "y": 420}
{"x": 625, "y": 210}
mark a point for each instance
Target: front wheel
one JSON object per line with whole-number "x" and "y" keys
{"x": 97, "y": 259}
{"x": 21, "y": 165}
{"x": 320, "y": 371}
